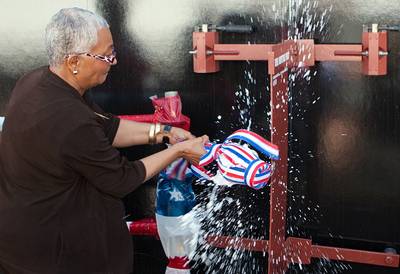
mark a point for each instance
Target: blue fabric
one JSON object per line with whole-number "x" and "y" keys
{"x": 174, "y": 197}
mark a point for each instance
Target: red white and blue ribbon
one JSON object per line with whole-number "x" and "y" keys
{"x": 259, "y": 143}
{"x": 237, "y": 163}
{"x": 178, "y": 169}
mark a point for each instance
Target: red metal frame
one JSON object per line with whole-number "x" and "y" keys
{"x": 281, "y": 57}
{"x": 143, "y": 227}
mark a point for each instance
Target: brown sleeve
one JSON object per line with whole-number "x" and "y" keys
{"x": 88, "y": 152}
{"x": 110, "y": 124}
{"x": 109, "y": 121}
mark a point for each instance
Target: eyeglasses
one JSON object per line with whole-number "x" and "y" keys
{"x": 108, "y": 59}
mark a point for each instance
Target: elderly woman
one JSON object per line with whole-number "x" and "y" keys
{"x": 61, "y": 176}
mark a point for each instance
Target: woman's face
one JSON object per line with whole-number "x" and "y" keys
{"x": 93, "y": 71}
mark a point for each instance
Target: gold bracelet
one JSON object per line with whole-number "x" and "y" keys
{"x": 157, "y": 129}
{"x": 152, "y": 135}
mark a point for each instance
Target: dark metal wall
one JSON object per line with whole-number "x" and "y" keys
{"x": 345, "y": 142}
{"x": 350, "y": 131}
{"x": 345, "y": 127}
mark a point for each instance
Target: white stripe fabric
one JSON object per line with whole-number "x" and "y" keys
{"x": 237, "y": 163}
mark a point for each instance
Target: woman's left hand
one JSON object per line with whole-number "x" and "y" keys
{"x": 177, "y": 135}
{"x": 193, "y": 149}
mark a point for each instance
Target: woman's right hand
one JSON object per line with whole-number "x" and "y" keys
{"x": 192, "y": 149}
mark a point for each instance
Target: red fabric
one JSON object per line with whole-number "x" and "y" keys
{"x": 167, "y": 110}
{"x": 148, "y": 118}
{"x": 179, "y": 263}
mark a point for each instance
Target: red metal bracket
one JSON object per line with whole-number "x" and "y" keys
{"x": 372, "y": 53}
{"x": 375, "y": 49}
{"x": 203, "y": 44}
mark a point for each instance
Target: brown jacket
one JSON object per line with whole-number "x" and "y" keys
{"x": 61, "y": 183}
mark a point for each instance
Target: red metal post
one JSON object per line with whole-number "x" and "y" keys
{"x": 303, "y": 53}
{"x": 279, "y": 136}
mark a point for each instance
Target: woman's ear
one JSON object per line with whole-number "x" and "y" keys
{"x": 73, "y": 63}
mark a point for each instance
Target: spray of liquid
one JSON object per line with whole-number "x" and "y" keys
{"x": 240, "y": 212}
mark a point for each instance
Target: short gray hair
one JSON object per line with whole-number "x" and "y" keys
{"x": 71, "y": 30}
